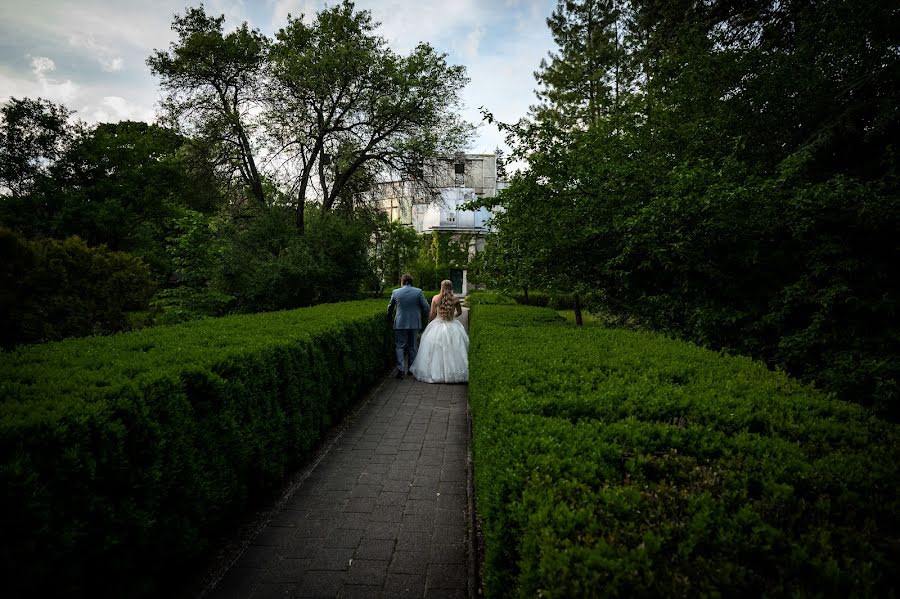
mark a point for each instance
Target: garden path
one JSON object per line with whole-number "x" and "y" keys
{"x": 385, "y": 512}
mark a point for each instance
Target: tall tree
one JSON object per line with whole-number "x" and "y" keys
{"x": 213, "y": 80}
{"x": 33, "y": 134}
{"x": 593, "y": 69}
{"x": 342, "y": 102}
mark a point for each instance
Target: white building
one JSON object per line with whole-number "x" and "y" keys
{"x": 436, "y": 207}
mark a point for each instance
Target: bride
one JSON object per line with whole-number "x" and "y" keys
{"x": 444, "y": 348}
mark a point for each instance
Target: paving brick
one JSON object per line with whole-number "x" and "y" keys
{"x": 403, "y": 586}
{"x": 392, "y": 498}
{"x": 359, "y": 591}
{"x": 446, "y": 576}
{"x": 445, "y": 593}
{"x": 448, "y": 553}
{"x": 396, "y": 486}
{"x": 387, "y": 513}
{"x": 288, "y": 570}
{"x": 381, "y": 530}
{"x": 301, "y": 548}
{"x": 417, "y": 522}
{"x": 413, "y": 540}
{"x": 420, "y": 506}
{"x": 375, "y": 549}
{"x": 343, "y": 537}
{"x": 365, "y": 491}
{"x": 314, "y": 529}
{"x": 449, "y": 517}
{"x": 409, "y": 562}
{"x": 367, "y": 571}
{"x": 423, "y": 493}
{"x": 332, "y": 558}
{"x": 321, "y": 585}
{"x": 360, "y": 505}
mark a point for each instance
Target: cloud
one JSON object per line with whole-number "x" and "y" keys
{"x": 469, "y": 47}
{"x": 91, "y": 54}
{"x": 282, "y": 8}
{"x": 112, "y": 109}
{"x": 106, "y": 56}
{"x": 48, "y": 87}
{"x": 41, "y": 65}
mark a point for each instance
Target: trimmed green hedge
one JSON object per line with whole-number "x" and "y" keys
{"x": 616, "y": 463}
{"x": 122, "y": 455}
{"x": 488, "y": 298}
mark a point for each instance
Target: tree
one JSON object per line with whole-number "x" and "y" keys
{"x": 214, "y": 82}
{"x": 594, "y": 69}
{"x": 395, "y": 248}
{"x": 342, "y": 102}
{"x": 742, "y": 194}
{"x": 33, "y": 134}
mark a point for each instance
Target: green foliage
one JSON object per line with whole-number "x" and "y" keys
{"x": 741, "y": 192}
{"x": 617, "y": 463}
{"x": 213, "y": 79}
{"x": 33, "y": 133}
{"x": 268, "y": 265}
{"x": 477, "y": 298}
{"x": 54, "y": 289}
{"x": 123, "y": 455}
{"x": 394, "y": 250}
{"x": 322, "y": 110}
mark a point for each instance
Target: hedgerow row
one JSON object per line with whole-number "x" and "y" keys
{"x": 618, "y": 463}
{"x": 122, "y": 455}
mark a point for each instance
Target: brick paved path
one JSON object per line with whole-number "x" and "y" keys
{"x": 383, "y": 514}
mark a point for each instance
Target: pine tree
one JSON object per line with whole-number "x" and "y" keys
{"x": 590, "y": 75}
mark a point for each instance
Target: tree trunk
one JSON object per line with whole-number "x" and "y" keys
{"x": 578, "y": 320}
{"x": 301, "y": 208}
{"x": 525, "y": 289}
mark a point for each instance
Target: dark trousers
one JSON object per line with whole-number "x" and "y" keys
{"x": 406, "y": 340}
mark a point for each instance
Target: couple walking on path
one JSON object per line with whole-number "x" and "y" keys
{"x": 442, "y": 355}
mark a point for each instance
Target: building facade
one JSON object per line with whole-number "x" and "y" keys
{"x": 437, "y": 206}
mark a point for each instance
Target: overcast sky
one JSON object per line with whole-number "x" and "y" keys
{"x": 90, "y": 54}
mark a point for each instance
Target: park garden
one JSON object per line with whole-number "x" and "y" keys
{"x": 683, "y": 375}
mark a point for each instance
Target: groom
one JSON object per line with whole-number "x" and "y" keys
{"x": 406, "y": 306}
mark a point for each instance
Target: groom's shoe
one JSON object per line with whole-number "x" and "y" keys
{"x": 399, "y": 374}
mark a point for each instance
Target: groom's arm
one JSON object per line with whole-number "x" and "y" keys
{"x": 391, "y": 305}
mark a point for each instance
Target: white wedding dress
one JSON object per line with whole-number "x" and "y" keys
{"x": 443, "y": 353}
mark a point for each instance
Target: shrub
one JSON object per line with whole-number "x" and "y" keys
{"x": 121, "y": 455}
{"x": 477, "y": 298}
{"x": 622, "y": 463}
{"x": 535, "y": 298}
{"x": 62, "y": 288}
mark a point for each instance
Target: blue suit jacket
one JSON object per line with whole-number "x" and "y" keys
{"x": 406, "y": 306}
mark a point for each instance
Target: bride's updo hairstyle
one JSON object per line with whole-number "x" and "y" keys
{"x": 445, "y": 304}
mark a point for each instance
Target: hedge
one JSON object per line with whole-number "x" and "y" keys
{"x": 122, "y": 455}
{"x": 614, "y": 463}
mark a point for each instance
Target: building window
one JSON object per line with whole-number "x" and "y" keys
{"x": 459, "y": 168}
{"x": 451, "y": 217}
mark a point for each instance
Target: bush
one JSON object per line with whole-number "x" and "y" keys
{"x": 122, "y": 455}
{"x": 477, "y": 298}
{"x": 62, "y": 288}
{"x": 620, "y": 463}
{"x": 267, "y": 265}
{"x": 535, "y": 298}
